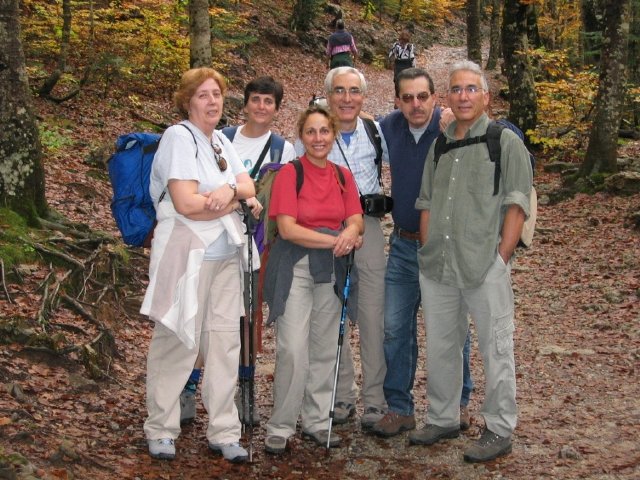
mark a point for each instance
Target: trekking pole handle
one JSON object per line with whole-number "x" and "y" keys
{"x": 350, "y": 258}
{"x": 246, "y": 209}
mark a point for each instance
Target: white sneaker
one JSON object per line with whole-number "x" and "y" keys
{"x": 231, "y": 452}
{"x": 163, "y": 448}
{"x": 187, "y": 406}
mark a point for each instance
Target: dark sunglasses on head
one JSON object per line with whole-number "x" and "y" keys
{"x": 408, "y": 97}
{"x": 220, "y": 160}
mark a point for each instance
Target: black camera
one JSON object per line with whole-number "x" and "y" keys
{"x": 376, "y": 204}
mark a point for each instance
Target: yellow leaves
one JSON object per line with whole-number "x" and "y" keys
{"x": 565, "y": 100}
{"x": 559, "y": 23}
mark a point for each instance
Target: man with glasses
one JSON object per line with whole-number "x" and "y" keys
{"x": 468, "y": 235}
{"x": 409, "y": 131}
{"x": 346, "y": 88}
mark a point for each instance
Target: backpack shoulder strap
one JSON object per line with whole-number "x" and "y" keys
{"x": 263, "y": 154}
{"x": 297, "y": 164}
{"x": 376, "y": 141}
{"x": 230, "y": 132}
{"x": 341, "y": 178}
{"x": 374, "y": 137}
{"x": 443, "y": 147}
{"x": 438, "y": 150}
{"x": 494, "y": 132}
{"x": 277, "y": 148}
{"x": 192, "y": 136}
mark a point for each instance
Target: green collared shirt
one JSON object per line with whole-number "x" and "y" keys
{"x": 465, "y": 218}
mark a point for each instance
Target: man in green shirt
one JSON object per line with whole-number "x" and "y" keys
{"x": 468, "y": 234}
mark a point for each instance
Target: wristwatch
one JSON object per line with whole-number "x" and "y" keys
{"x": 233, "y": 187}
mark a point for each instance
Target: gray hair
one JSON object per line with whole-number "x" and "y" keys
{"x": 470, "y": 66}
{"x": 334, "y": 72}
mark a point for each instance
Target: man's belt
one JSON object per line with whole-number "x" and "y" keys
{"x": 406, "y": 234}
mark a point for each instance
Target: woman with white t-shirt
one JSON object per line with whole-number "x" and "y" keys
{"x": 195, "y": 273}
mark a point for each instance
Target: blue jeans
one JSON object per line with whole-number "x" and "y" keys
{"x": 401, "y": 303}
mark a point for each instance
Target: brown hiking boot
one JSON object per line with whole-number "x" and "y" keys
{"x": 393, "y": 424}
{"x": 465, "y": 418}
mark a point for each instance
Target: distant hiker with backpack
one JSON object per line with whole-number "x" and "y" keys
{"x": 409, "y": 131}
{"x": 341, "y": 47}
{"x": 303, "y": 271}
{"x": 360, "y": 148}
{"x": 256, "y": 145}
{"x": 402, "y": 54}
{"x": 469, "y": 231}
{"x": 194, "y": 294}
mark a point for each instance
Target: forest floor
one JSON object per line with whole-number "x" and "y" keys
{"x": 577, "y": 344}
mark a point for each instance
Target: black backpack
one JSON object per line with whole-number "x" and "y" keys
{"x": 265, "y": 229}
{"x": 492, "y": 139}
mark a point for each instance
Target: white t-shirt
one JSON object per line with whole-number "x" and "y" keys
{"x": 176, "y": 159}
{"x": 249, "y": 149}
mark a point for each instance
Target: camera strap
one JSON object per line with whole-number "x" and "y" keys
{"x": 379, "y": 167}
{"x": 349, "y": 167}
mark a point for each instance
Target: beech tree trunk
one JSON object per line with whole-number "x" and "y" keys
{"x": 21, "y": 170}
{"x": 303, "y": 15}
{"x": 474, "y": 42}
{"x": 603, "y": 140}
{"x": 634, "y": 59}
{"x": 50, "y": 83}
{"x": 494, "y": 36}
{"x": 522, "y": 92}
{"x": 199, "y": 34}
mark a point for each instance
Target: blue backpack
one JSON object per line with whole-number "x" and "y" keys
{"x": 129, "y": 172}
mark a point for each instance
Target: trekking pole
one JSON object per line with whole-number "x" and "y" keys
{"x": 343, "y": 317}
{"x": 251, "y": 369}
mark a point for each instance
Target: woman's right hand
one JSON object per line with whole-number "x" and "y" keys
{"x": 347, "y": 241}
{"x": 219, "y": 198}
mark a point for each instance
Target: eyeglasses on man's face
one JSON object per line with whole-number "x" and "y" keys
{"x": 469, "y": 89}
{"x": 408, "y": 97}
{"x": 217, "y": 154}
{"x": 341, "y": 91}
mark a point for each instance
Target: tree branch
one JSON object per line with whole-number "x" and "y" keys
{"x": 4, "y": 283}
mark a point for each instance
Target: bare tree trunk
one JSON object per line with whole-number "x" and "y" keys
{"x": 634, "y": 58}
{"x": 21, "y": 171}
{"x": 474, "y": 42}
{"x": 50, "y": 83}
{"x": 494, "y": 36}
{"x": 603, "y": 140}
{"x": 303, "y": 15}
{"x": 592, "y": 16}
{"x": 199, "y": 34}
{"x": 533, "y": 34}
{"x": 522, "y": 92}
